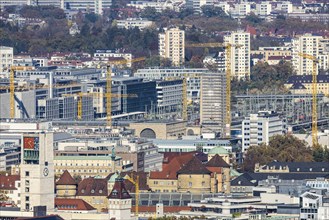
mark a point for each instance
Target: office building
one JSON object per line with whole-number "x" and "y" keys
{"x": 172, "y": 45}
{"x": 96, "y": 6}
{"x": 106, "y": 54}
{"x": 213, "y": 102}
{"x": 6, "y": 59}
{"x": 169, "y": 96}
{"x": 258, "y": 128}
{"x": 37, "y": 171}
{"x": 192, "y": 77}
{"x": 145, "y": 92}
{"x": 312, "y": 45}
{"x": 240, "y": 55}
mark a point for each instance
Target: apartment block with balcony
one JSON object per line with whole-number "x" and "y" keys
{"x": 258, "y": 128}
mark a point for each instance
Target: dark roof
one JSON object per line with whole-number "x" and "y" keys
{"x": 299, "y": 167}
{"x": 66, "y": 179}
{"x": 297, "y": 85}
{"x": 92, "y": 187}
{"x": 254, "y": 178}
{"x": 307, "y": 79}
{"x": 243, "y": 180}
{"x": 217, "y": 161}
{"x": 72, "y": 204}
{"x": 194, "y": 166}
{"x": 119, "y": 190}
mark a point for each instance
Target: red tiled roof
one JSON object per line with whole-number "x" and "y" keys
{"x": 166, "y": 209}
{"x": 170, "y": 170}
{"x": 8, "y": 181}
{"x": 72, "y": 204}
{"x": 119, "y": 190}
{"x": 66, "y": 179}
{"x": 194, "y": 166}
{"x": 92, "y": 187}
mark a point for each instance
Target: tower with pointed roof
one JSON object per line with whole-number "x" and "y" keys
{"x": 119, "y": 201}
{"x": 66, "y": 185}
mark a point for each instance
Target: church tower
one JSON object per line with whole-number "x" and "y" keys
{"x": 120, "y": 201}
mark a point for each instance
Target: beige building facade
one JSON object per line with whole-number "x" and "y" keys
{"x": 172, "y": 45}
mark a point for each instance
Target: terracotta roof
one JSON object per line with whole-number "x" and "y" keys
{"x": 217, "y": 161}
{"x": 119, "y": 190}
{"x": 48, "y": 217}
{"x": 66, "y": 179}
{"x": 170, "y": 170}
{"x": 72, "y": 204}
{"x": 92, "y": 187}
{"x": 194, "y": 166}
{"x": 8, "y": 181}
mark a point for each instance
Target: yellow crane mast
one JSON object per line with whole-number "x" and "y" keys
{"x": 228, "y": 51}
{"x": 315, "y": 62}
{"x": 136, "y": 183}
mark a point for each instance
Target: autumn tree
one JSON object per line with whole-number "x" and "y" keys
{"x": 282, "y": 148}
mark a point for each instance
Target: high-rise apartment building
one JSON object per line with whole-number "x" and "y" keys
{"x": 240, "y": 55}
{"x": 37, "y": 171}
{"x": 96, "y": 6}
{"x": 212, "y": 102}
{"x": 6, "y": 59}
{"x": 172, "y": 45}
{"x": 312, "y": 45}
{"x": 258, "y": 128}
{"x": 4, "y": 3}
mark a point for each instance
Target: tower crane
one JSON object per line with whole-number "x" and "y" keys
{"x": 315, "y": 62}
{"x": 109, "y": 86}
{"x": 228, "y": 51}
{"x": 136, "y": 183}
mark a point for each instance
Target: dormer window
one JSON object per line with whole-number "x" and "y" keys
{"x": 83, "y": 191}
{"x": 100, "y": 191}
{"x": 92, "y": 191}
{"x": 297, "y": 169}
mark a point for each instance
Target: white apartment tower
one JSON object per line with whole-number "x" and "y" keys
{"x": 311, "y": 45}
{"x": 172, "y": 45}
{"x": 6, "y": 59}
{"x": 240, "y": 56}
{"x": 37, "y": 171}
{"x": 258, "y": 128}
{"x": 196, "y": 5}
{"x": 213, "y": 102}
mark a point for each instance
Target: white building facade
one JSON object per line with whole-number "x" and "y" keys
{"x": 6, "y": 59}
{"x": 172, "y": 45}
{"x": 240, "y": 54}
{"x": 258, "y": 128}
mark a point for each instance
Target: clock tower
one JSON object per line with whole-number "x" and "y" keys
{"x": 37, "y": 171}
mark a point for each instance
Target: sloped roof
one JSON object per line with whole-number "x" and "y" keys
{"x": 297, "y": 85}
{"x": 92, "y": 187}
{"x": 194, "y": 166}
{"x": 119, "y": 190}
{"x": 8, "y": 181}
{"x": 130, "y": 186}
{"x": 299, "y": 167}
{"x": 217, "y": 161}
{"x": 66, "y": 179}
{"x": 243, "y": 180}
{"x": 72, "y": 204}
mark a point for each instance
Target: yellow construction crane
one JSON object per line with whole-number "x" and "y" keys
{"x": 109, "y": 86}
{"x": 80, "y": 95}
{"x": 228, "y": 51}
{"x": 315, "y": 62}
{"x": 12, "y": 88}
{"x": 136, "y": 183}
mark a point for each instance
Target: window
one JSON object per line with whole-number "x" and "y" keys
{"x": 190, "y": 184}
{"x": 27, "y": 173}
{"x": 27, "y": 198}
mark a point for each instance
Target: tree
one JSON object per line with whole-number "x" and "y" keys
{"x": 150, "y": 13}
{"x": 212, "y": 11}
{"x": 283, "y": 148}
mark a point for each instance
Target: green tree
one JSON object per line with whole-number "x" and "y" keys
{"x": 150, "y": 13}
{"x": 212, "y": 11}
{"x": 283, "y": 148}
